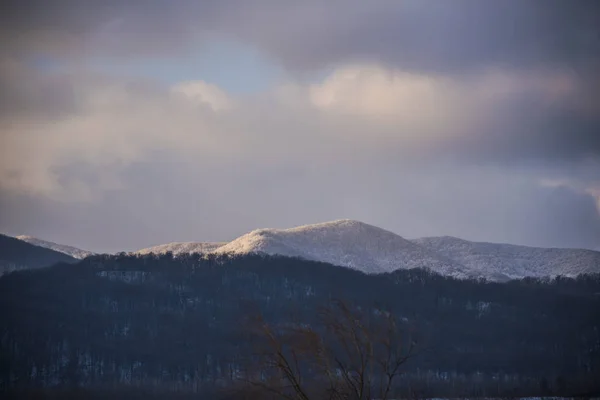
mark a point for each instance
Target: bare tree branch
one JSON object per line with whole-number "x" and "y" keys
{"x": 346, "y": 356}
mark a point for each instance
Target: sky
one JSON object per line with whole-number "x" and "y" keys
{"x": 126, "y": 124}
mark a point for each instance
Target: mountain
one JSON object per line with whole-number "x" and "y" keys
{"x": 512, "y": 260}
{"x": 373, "y": 250}
{"x": 61, "y": 248}
{"x": 178, "y": 248}
{"x": 346, "y": 243}
{"x": 17, "y": 254}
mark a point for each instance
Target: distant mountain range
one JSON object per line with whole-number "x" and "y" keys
{"x": 369, "y": 249}
{"x": 373, "y": 250}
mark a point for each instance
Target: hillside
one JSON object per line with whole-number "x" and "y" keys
{"x": 512, "y": 260}
{"x": 17, "y": 254}
{"x": 61, "y": 248}
{"x": 184, "y": 324}
{"x": 346, "y": 243}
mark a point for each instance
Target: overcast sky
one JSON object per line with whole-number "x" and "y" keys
{"x": 126, "y": 124}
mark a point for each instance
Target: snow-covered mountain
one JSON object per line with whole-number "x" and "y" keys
{"x": 512, "y": 260}
{"x": 61, "y": 248}
{"x": 346, "y": 243}
{"x": 370, "y": 249}
{"x": 178, "y": 248}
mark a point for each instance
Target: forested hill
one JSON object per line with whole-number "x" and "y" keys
{"x": 176, "y": 324}
{"x": 17, "y": 254}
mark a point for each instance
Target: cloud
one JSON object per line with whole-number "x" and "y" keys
{"x": 414, "y": 100}
{"x": 433, "y": 119}
{"x": 24, "y": 93}
{"x": 204, "y": 93}
{"x": 497, "y": 116}
{"x": 413, "y": 35}
{"x": 358, "y": 113}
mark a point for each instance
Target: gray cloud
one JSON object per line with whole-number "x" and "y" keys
{"x": 437, "y": 37}
{"x": 464, "y": 37}
{"x": 524, "y": 130}
{"x": 417, "y": 35}
{"x": 25, "y": 93}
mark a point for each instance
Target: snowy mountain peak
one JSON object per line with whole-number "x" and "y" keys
{"x": 335, "y": 224}
{"x": 370, "y": 249}
{"x": 347, "y": 243}
{"x": 61, "y": 248}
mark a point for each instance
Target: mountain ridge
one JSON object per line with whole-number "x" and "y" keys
{"x": 491, "y": 261}
{"x": 373, "y": 250}
{"x": 17, "y": 254}
{"x": 61, "y": 248}
{"x": 347, "y": 243}
{"x": 515, "y": 261}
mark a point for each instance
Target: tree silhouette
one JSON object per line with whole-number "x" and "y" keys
{"x": 351, "y": 354}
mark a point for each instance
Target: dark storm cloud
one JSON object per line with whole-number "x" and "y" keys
{"x": 526, "y": 131}
{"x": 434, "y": 36}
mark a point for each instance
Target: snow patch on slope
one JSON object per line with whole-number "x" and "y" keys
{"x": 347, "y": 243}
{"x": 178, "y": 248}
{"x": 512, "y": 260}
{"x": 61, "y": 248}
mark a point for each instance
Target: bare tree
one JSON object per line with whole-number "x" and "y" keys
{"x": 351, "y": 355}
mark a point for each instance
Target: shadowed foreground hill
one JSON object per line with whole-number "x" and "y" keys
{"x": 179, "y": 324}
{"x": 17, "y": 254}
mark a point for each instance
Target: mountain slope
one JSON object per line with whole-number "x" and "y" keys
{"x": 370, "y": 249}
{"x": 346, "y": 243}
{"x": 181, "y": 248}
{"x": 17, "y": 254}
{"x": 61, "y": 248}
{"x": 512, "y": 260}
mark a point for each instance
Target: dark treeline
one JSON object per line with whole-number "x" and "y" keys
{"x": 161, "y": 323}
